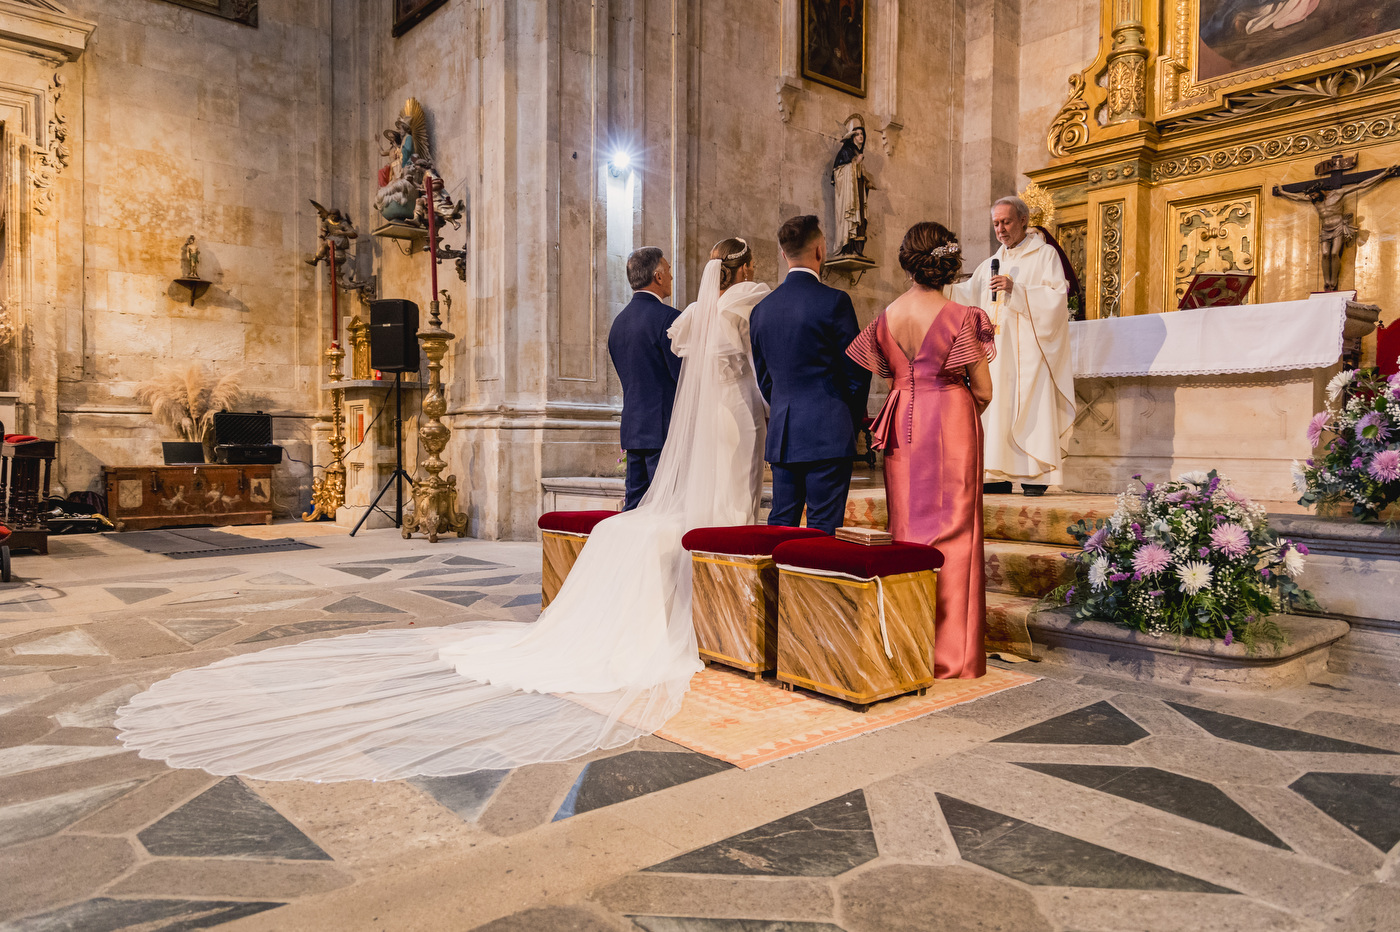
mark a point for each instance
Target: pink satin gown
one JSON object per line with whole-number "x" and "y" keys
{"x": 932, "y": 441}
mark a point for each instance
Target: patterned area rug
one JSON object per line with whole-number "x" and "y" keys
{"x": 748, "y": 723}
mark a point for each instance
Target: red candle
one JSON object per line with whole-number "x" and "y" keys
{"x": 335, "y": 308}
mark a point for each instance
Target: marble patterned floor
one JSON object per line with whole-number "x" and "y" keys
{"x": 1078, "y": 802}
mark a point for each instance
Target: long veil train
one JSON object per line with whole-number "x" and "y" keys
{"x": 608, "y": 661}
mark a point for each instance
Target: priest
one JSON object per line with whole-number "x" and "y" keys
{"x": 1028, "y": 423}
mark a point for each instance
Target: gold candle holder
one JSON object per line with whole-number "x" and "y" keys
{"x": 435, "y": 498}
{"x": 328, "y": 492}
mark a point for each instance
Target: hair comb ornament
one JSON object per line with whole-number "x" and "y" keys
{"x": 740, "y": 254}
{"x": 949, "y": 249}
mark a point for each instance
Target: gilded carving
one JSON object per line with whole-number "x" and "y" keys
{"x": 1221, "y": 236}
{"x": 1070, "y": 128}
{"x": 1346, "y": 82}
{"x": 1110, "y": 259}
{"x": 1294, "y": 144}
{"x": 1073, "y": 239}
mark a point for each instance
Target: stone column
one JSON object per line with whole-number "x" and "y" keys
{"x": 990, "y": 128}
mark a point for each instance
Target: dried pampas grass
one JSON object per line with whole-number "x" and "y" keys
{"x": 187, "y": 401}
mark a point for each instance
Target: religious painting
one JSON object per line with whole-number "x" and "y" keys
{"x": 833, "y": 43}
{"x": 409, "y": 13}
{"x": 240, "y": 11}
{"x": 1240, "y": 35}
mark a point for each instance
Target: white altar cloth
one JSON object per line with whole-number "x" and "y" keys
{"x": 1214, "y": 340}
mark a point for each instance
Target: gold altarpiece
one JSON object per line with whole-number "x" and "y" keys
{"x": 1163, "y": 160}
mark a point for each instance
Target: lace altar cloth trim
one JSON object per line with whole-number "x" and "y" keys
{"x": 1213, "y": 340}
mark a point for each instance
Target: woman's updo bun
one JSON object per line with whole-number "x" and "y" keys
{"x": 931, "y": 255}
{"x": 733, "y": 254}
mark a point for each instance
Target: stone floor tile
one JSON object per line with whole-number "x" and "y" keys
{"x": 825, "y": 840}
{"x": 136, "y": 639}
{"x": 100, "y": 710}
{"x": 1308, "y": 831}
{"x": 1366, "y": 731}
{"x": 460, "y": 560}
{"x": 521, "y": 600}
{"x": 130, "y": 595}
{"x": 1089, "y": 910}
{"x": 1367, "y": 804}
{"x": 147, "y": 803}
{"x": 229, "y": 820}
{"x": 441, "y": 571}
{"x": 559, "y": 919}
{"x": 218, "y": 877}
{"x": 1372, "y": 908}
{"x": 105, "y": 914}
{"x": 632, "y": 774}
{"x": 41, "y": 756}
{"x": 693, "y": 924}
{"x": 196, "y": 630}
{"x": 320, "y": 626}
{"x": 75, "y": 643}
{"x": 529, "y": 797}
{"x": 20, "y": 728}
{"x": 1189, "y": 798}
{"x": 797, "y": 898}
{"x": 464, "y": 598}
{"x": 1218, "y": 762}
{"x": 1099, "y": 723}
{"x": 465, "y": 794}
{"x": 278, "y": 579}
{"x": 1012, "y": 709}
{"x": 358, "y": 605}
{"x": 1269, "y": 737}
{"x": 908, "y": 824}
{"x": 20, "y": 822}
{"x": 920, "y": 898}
{"x": 41, "y": 874}
{"x": 95, "y": 771}
{"x": 1039, "y": 856}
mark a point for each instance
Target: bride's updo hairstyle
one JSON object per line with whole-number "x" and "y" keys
{"x": 931, "y": 255}
{"x": 733, "y": 254}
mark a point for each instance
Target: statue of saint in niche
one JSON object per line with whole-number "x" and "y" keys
{"x": 852, "y": 187}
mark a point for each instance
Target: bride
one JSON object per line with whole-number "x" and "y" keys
{"x": 609, "y": 660}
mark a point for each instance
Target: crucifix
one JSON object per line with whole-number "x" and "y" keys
{"x": 1335, "y": 225}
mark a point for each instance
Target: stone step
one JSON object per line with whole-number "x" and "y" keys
{"x": 1042, "y": 519}
{"x": 1026, "y": 569}
{"x": 1007, "y": 623}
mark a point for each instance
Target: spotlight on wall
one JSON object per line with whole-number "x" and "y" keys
{"x": 620, "y": 162}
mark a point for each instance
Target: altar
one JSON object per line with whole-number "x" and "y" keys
{"x": 1229, "y": 388}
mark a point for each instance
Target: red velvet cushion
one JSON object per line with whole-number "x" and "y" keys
{"x": 4, "y": 533}
{"x": 842, "y": 556}
{"x": 572, "y": 522}
{"x": 19, "y": 438}
{"x": 755, "y": 540}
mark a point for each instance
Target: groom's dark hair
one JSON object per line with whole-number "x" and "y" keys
{"x": 797, "y": 235}
{"x": 642, "y": 266}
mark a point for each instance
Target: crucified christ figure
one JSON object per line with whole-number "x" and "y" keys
{"x": 1335, "y": 227}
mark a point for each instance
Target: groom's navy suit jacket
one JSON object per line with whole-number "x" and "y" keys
{"x": 641, "y": 354}
{"x": 816, "y": 393}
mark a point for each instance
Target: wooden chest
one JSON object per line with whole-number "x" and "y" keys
{"x": 142, "y": 497}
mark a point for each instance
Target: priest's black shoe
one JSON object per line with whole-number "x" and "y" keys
{"x": 1027, "y": 489}
{"x": 996, "y": 488}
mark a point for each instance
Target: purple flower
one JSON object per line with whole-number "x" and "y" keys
{"x": 1156, "y": 593}
{"x": 1265, "y": 572}
{"x": 1149, "y": 486}
{"x": 1096, "y": 540}
{"x": 1137, "y": 530}
{"x": 1178, "y": 496}
{"x": 1310, "y": 462}
{"x": 1301, "y": 548}
{"x": 1373, "y": 426}
{"x": 1151, "y": 559}
{"x": 1316, "y": 426}
{"x": 1203, "y": 552}
{"x": 1230, "y": 539}
{"x": 1356, "y": 462}
{"x": 1117, "y": 577}
{"x": 1385, "y": 466}
{"x": 1214, "y": 484}
{"x": 1229, "y": 636}
{"x": 1069, "y": 595}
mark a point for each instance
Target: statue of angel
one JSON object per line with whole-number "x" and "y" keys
{"x": 334, "y": 228}
{"x": 409, "y": 155}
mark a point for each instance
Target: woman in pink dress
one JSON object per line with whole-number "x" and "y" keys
{"x": 935, "y": 354}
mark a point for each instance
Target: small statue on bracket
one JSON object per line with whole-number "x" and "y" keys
{"x": 189, "y": 257}
{"x": 410, "y": 156}
{"x": 852, "y": 187}
{"x": 1336, "y": 227}
{"x": 335, "y": 228}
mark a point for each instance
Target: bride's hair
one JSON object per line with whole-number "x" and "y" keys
{"x": 733, "y": 254}
{"x": 931, "y": 255}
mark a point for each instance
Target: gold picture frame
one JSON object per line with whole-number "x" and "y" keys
{"x": 833, "y": 33}
{"x": 1182, "y": 89}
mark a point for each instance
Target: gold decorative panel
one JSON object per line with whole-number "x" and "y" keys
{"x": 1074, "y": 239}
{"x": 1110, "y": 258}
{"x": 1219, "y": 235}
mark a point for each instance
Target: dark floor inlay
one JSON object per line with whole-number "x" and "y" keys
{"x": 462, "y": 597}
{"x": 356, "y": 605}
{"x": 108, "y": 915}
{"x": 688, "y": 924}
{"x": 634, "y": 773}
{"x": 1099, "y": 723}
{"x": 465, "y": 794}
{"x": 1269, "y": 737}
{"x": 391, "y": 561}
{"x": 439, "y": 571}
{"x": 518, "y": 601}
{"x": 228, "y": 820}
{"x": 1366, "y": 803}
{"x": 1189, "y": 798}
{"x": 364, "y": 572}
{"x": 493, "y": 581}
{"x": 131, "y": 595}
{"x": 468, "y": 561}
{"x": 279, "y": 579}
{"x": 305, "y": 627}
{"x": 1045, "y": 858}
{"x": 828, "y": 839}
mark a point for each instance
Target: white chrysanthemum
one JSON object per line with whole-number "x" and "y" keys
{"x": 1098, "y": 573}
{"x": 1194, "y": 576}
{"x": 1339, "y": 382}
{"x": 1293, "y": 562}
{"x": 1195, "y": 477}
{"x": 1300, "y": 478}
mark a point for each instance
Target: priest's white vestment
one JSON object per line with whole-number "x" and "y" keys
{"x": 1031, "y": 416}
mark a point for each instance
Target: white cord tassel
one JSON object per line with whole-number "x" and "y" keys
{"x": 879, "y": 595}
{"x": 880, "y": 602}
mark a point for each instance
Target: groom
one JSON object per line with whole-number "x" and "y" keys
{"x": 641, "y": 354}
{"x": 817, "y": 394}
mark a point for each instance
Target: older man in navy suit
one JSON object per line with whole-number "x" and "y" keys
{"x": 641, "y": 354}
{"x": 817, "y": 394}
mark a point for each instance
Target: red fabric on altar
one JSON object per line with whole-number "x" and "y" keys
{"x": 754, "y": 540}
{"x": 865, "y": 561}
{"x": 1388, "y": 349}
{"x": 19, "y": 438}
{"x": 572, "y": 522}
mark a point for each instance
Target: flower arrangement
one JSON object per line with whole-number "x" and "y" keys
{"x": 1360, "y": 463}
{"x": 1191, "y": 557}
{"x": 187, "y": 401}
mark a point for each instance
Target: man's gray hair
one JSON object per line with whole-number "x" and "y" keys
{"x": 642, "y": 266}
{"x": 1022, "y": 209}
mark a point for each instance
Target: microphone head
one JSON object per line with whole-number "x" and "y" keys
{"x": 996, "y": 266}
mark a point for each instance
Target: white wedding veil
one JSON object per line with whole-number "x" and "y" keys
{"x": 608, "y": 661}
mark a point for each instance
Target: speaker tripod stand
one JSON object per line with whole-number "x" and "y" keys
{"x": 396, "y": 479}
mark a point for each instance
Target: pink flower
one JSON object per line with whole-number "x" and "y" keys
{"x": 1151, "y": 559}
{"x": 1239, "y": 498}
{"x": 1095, "y": 543}
{"x": 1385, "y": 466}
{"x": 1230, "y": 539}
{"x": 1316, "y": 426}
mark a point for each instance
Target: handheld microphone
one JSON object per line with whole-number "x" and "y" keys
{"x": 996, "y": 270}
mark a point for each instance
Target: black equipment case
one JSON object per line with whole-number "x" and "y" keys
{"x": 242, "y": 439}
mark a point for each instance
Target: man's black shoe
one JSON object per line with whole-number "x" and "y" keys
{"x": 996, "y": 488}
{"x": 1027, "y": 489}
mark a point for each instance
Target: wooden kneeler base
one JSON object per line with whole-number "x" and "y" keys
{"x": 735, "y": 610}
{"x": 560, "y": 550}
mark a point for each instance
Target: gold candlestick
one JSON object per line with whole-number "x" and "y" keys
{"x": 328, "y": 492}
{"x": 435, "y": 498}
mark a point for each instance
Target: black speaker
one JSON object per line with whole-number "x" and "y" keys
{"x": 393, "y": 335}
